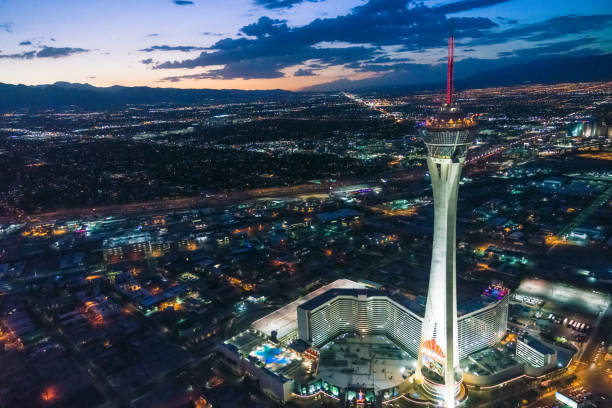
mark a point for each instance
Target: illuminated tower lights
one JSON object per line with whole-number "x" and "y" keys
{"x": 447, "y": 136}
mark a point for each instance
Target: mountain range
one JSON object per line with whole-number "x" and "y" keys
{"x": 63, "y": 95}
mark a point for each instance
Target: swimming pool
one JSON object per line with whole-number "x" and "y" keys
{"x": 271, "y": 355}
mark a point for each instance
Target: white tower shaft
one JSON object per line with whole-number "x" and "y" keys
{"x": 440, "y": 321}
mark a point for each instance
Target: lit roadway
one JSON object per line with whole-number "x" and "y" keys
{"x": 585, "y": 356}
{"x": 213, "y": 199}
{"x": 232, "y": 197}
{"x": 372, "y": 106}
{"x": 584, "y": 215}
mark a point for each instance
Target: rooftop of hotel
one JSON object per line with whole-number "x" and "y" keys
{"x": 488, "y": 361}
{"x": 375, "y": 362}
{"x": 489, "y": 296}
{"x": 536, "y": 344}
{"x": 284, "y": 320}
{"x": 332, "y": 293}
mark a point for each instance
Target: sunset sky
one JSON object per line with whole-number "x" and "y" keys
{"x": 289, "y": 44}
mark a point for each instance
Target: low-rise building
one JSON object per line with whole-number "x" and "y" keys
{"x": 535, "y": 352}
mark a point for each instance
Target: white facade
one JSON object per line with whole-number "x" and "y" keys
{"x": 534, "y": 352}
{"x": 372, "y": 312}
{"x": 359, "y": 311}
{"x": 482, "y": 328}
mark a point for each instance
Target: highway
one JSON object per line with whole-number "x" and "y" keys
{"x": 598, "y": 332}
{"x": 233, "y": 197}
{"x": 584, "y": 214}
{"x": 210, "y": 199}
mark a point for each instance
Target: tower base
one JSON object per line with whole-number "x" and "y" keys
{"x": 434, "y": 392}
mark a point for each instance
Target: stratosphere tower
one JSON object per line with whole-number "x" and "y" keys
{"x": 447, "y": 135}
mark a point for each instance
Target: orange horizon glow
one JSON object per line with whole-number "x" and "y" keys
{"x": 289, "y": 83}
{"x": 125, "y": 73}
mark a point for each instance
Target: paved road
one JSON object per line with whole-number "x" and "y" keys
{"x": 215, "y": 199}
{"x": 605, "y": 316}
{"x": 584, "y": 214}
{"x": 164, "y": 206}
{"x": 173, "y": 204}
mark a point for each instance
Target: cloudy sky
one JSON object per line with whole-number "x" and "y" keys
{"x": 289, "y": 44}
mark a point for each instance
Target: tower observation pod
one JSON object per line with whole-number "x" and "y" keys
{"x": 447, "y": 135}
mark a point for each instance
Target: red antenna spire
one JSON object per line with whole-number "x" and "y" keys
{"x": 449, "y": 74}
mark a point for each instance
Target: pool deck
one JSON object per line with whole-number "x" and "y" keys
{"x": 372, "y": 362}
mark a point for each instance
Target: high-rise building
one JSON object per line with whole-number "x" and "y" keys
{"x": 482, "y": 322}
{"x": 447, "y": 136}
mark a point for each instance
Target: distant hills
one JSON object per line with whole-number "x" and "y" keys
{"x": 84, "y": 96}
{"x": 541, "y": 71}
{"x": 546, "y": 71}
{"x": 63, "y": 95}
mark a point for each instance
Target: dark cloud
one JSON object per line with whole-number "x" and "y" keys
{"x": 45, "y": 52}
{"x": 570, "y": 47}
{"x": 212, "y": 34}
{"x": 58, "y": 52}
{"x": 23, "y": 55}
{"x": 266, "y": 27}
{"x": 389, "y": 22}
{"x": 7, "y": 27}
{"x": 465, "y": 5}
{"x": 549, "y": 29}
{"x": 276, "y": 4}
{"x": 385, "y": 59}
{"x": 504, "y": 20}
{"x": 183, "y": 2}
{"x": 147, "y": 61}
{"x": 25, "y": 43}
{"x": 183, "y": 77}
{"x": 269, "y": 66}
{"x": 252, "y": 69}
{"x": 182, "y": 48}
{"x": 152, "y": 35}
{"x": 384, "y": 67}
{"x": 381, "y": 64}
{"x": 304, "y": 72}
